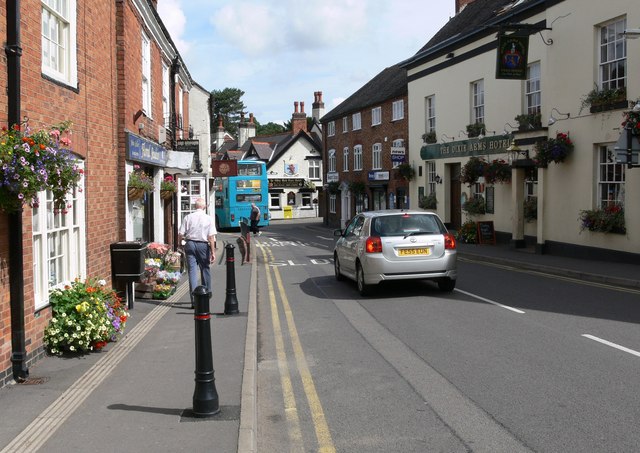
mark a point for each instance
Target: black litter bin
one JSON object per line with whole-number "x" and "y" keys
{"x": 127, "y": 264}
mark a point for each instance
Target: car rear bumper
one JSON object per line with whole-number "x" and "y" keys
{"x": 378, "y": 269}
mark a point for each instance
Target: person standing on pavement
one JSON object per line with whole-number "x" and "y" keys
{"x": 254, "y": 217}
{"x": 198, "y": 231}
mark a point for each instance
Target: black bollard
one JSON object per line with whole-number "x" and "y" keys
{"x": 231, "y": 301}
{"x": 205, "y": 395}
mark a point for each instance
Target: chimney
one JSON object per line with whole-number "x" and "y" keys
{"x": 219, "y": 140}
{"x": 154, "y": 3}
{"x": 317, "y": 108}
{"x": 461, "y": 4}
{"x": 298, "y": 119}
{"x": 251, "y": 127}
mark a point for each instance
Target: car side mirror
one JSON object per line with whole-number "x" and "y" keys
{"x": 337, "y": 233}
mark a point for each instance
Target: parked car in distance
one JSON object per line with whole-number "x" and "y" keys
{"x": 394, "y": 244}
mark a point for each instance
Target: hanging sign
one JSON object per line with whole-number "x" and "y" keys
{"x": 223, "y": 168}
{"x": 512, "y": 57}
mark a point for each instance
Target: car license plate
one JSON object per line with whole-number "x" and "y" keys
{"x": 414, "y": 251}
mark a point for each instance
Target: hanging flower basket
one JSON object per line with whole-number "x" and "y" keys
{"x": 135, "y": 193}
{"x": 553, "y": 150}
{"x": 166, "y": 194}
{"x": 472, "y": 170}
{"x": 497, "y": 172}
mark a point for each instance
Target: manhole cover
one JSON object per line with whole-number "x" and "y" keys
{"x": 34, "y": 381}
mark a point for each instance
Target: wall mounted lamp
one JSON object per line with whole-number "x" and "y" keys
{"x": 636, "y": 108}
{"x": 631, "y": 33}
{"x": 461, "y": 133}
{"x": 447, "y": 137}
{"x": 553, "y": 119}
{"x": 438, "y": 179}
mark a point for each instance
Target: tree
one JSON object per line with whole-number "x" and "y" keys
{"x": 270, "y": 128}
{"x": 228, "y": 104}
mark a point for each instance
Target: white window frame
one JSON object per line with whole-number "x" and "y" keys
{"x": 376, "y": 156}
{"x": 59, "y": 243}
{"x": 58, "y": 29}
{"x": 612, "y": 55}
{"x": 611, "y": 178}
{"x": 356, "y": 121}
{"x": 332, "y": 203}
{"x": 397, "y": 110}
{"x": 431, "y": 176}
{"x": 146, "y": 75}
{"x": 274, "y": 201}
{"x": 357, "y": 158}
{"x": 331, "y": 128}
{"x": 477, "y": 101}
{"x": 430, "y": 113}
{"x": 345, "y": 158}
{"x": 331, "y": 160}
{"x": 345, "y": 124}
{"x": 314, "y": 169}
{"x": 166, "y": 112}
{"x": 533, "y": 93}
{"x": 376, "y": 116}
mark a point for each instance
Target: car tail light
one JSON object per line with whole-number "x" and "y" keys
{"x": 373, "y": 244}
{"x": 449, "y": 241}
{"x": 233, "y": 217}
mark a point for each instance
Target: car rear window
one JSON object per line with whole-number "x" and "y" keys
{"x": 401, "y": 224}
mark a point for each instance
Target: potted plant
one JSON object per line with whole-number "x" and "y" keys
{"x": 475, "y": 129}
{"x": 602, "y": 100}
{"x": 31, "y": 162}
{"x": 357, "y": 187}
{"x": 472, "y": 170}
{"x": 632, "y": 121}
{"x": 553, "y": 150}
{"x": 85, "y": 316}
{"x": 474, "y": 206}
{"x": 609, "y": 219}
{"x": 139, "y": 182}
{"x": 497, "y": 171}
{"x": 333, "y": 187}
{"x": 429, "y": 137}
{"x": 406, "y": 171}
{"x": 529, "y": 121}
{"x": 468, "y": 232}
{"x": 168, "y": 187}
{"x": 429, "y": 201}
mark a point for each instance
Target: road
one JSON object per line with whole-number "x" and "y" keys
{"x": 510, "y": 361}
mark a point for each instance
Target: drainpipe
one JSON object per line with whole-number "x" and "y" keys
{"x": 175, "y": 69}
{"x": 16, "y": 277}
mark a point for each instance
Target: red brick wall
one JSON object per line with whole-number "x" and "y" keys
{"x": 91, "y": 108}
{"x": 384, "y": 133}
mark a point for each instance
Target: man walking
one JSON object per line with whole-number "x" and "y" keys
{"x": 198, "y": 230}
{"x": 254, "y": 217}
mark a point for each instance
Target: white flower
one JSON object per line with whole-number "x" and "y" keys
{"x": 102, "y": 282}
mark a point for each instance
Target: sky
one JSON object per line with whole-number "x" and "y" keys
{"x": 282, "y": 51}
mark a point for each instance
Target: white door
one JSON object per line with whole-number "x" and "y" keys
{"x": 345, "y": 214}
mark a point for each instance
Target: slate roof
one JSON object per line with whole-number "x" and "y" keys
{"x": 478, "y": 17}
{"x": 389, "y": 84}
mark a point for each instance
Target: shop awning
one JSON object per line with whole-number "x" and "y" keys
{"x": 178, "y": 162}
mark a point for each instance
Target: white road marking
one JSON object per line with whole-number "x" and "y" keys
{"x": 491, "y": 302}
{"x": 324, "y": 238}
{"x": 613, "y": 345}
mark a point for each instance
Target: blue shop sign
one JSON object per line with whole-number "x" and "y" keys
{"x": 142, "y": 150}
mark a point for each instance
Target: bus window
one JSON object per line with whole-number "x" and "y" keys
{"x": 249, "y": 198}
{"x": 248, "y": 184}
{"x": 250, "y": 169}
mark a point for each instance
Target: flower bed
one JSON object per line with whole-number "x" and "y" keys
{"x": 85, "y": 317}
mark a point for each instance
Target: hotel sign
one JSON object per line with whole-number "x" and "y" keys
{"x": 464, "y": 148}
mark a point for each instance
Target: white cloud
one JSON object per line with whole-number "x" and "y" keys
{"x": 174, "y": 19}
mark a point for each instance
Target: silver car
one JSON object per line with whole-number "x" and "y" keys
{"x": 396, "y": 245}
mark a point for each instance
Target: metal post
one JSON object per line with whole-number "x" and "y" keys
{"x": 231, "y": 301}
{"x": 205, "y": 395}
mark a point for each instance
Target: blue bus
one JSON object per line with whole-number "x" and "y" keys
{"x": 234, "y": 195}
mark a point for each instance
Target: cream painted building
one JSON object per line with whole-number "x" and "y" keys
{"x": 572, "y": 49}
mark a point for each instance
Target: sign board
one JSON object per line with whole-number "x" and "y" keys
{"x": 511, "y": 61}
{"x": 223, "y": 168}
{"x": 621, "y": 149}
{"x": 142, "y": 150}
{"x": 378, "y": 176}
{"x": 286, "y": 182}
{"x": 486, "y": 233}
{"x": 497, "y": 144}
{"x": 333, "y": 176}
{"x": 398, "y": 158}
{"x": 398, "y": 150}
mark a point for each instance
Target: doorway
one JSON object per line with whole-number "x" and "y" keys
{"x": 455, "y": 192}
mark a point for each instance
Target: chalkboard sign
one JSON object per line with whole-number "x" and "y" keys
{"x": 486, "y": 233}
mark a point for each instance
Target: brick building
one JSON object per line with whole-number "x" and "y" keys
{"x": 366, "y": 157}
{"x": 112, "y": 70}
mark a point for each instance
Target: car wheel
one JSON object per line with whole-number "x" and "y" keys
{"x": 446, "y": 284}
{"x": 336, "y": 268}
{"x": 363, "y": 288}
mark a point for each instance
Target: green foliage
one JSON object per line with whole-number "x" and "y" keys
{"x": 468, "y": 232}
{"x": 269, "y": 129}
{"x": 169, "y": 184}
{"x": 138, "y": 179}
{"x": 474, "y": 206}
{"x": 85, "y": 316}
{"x": 429, "y": 137}
{"x": 406, "y": 171}
{"x": 228, "y": 104}
{"x": 597, "y": 98}
{"x": 472, "y": 170}
{"x": 530, "y": 209}
{"x": 553, "y": 150}
{"x": 357, "y": 187}
{"x": 429, "y": 201}
{"x": 497, "y": 171}
{"x": 332, "y": 187}
{"x": 475, "y": 129}
{"x": 529, "y": 121}
{"x": 609, "y": 219}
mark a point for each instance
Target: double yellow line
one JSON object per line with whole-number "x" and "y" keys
{"x": 325, "y": 442}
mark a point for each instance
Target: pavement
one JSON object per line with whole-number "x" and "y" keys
{"x": 137, "y": 393}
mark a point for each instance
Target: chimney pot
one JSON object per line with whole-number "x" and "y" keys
{"x": 301, "y": 106}
{"x": 295, "y": 107}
